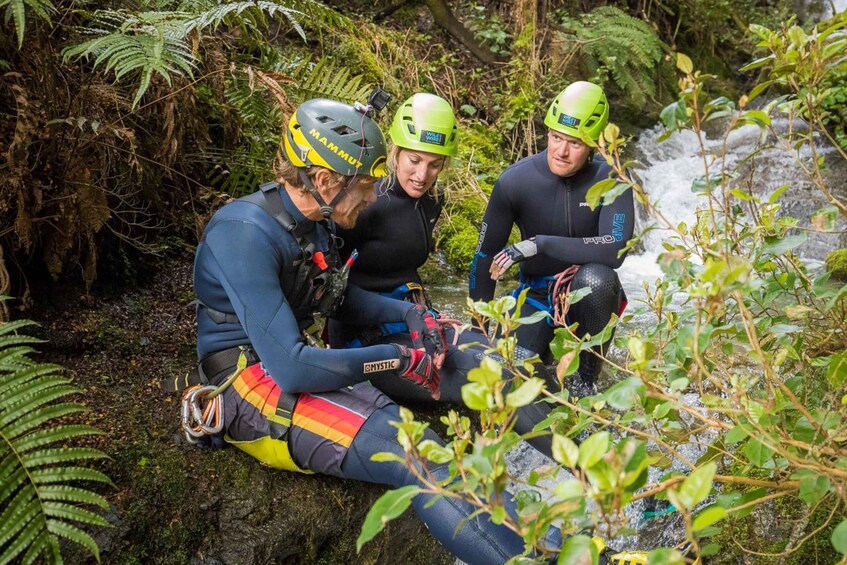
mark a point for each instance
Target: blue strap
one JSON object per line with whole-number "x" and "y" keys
{"x": 536, "y": 283}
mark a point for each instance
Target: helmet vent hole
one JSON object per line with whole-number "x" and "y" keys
{"x": 411, "y": 128}
{"x": 324, "y": 119}
{"x": 361, "y": 143}
{"x": 343, "y": 130}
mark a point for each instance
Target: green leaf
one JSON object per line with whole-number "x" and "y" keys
{"x": 578, "y": 549}
{"x": 386, "y": 457}
{"x": 624, "y": 394}
{"x": 684, "y": 64}
{"x": 707, "y": 517}
{"x": 839, "y": 537}
{"x": 696, "y": 486}
{"x": 597, "y": 190}
{"x": 757, "y": 452}
{"x": 755, "y": 65}
{"x": 593, "y": 449}
{"x": 477, "y": 396}
{"x": 389, "y": 506}
{"x": 435, "y": 452}
{"x": 778, "y": 246}
{"x": 813, "y": 488}
{"x": 665, "y": 556}
{"x": 526, "y": 393}
{"x": 756, "y": 117}
{"x": 565, "y": 451}
{"x": 570, "y": 488}
{"x": 836, "y": 372}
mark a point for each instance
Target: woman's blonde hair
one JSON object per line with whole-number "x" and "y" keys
{"x": 391, "y": 162}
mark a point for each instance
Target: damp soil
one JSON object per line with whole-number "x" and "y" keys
{"x": 172, "y": 502}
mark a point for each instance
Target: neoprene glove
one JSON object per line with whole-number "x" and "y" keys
{"x": 416, "y": 365}
{"x": 515, "y": 253}
{"x": 426, "y": 332}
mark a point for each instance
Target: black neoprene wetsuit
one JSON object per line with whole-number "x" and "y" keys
{"x": 567, "y": 231}
{"x": 243, "y": 266}
{"x": 394, "y": 237}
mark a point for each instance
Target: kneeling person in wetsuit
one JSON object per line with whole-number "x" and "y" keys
{"x": 545, "y": 195}
{"x": 266, "y": 267}
{"x": 395, "y": 238}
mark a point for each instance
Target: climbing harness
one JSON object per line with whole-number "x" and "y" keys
{"x": 202, "y": 408}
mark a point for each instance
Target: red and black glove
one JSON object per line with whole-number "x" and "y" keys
{"x": 426, "y": 333}
{"x": 417, "y": 365}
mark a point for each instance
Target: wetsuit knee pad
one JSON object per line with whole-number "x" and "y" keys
{"x": 594, "y": 311}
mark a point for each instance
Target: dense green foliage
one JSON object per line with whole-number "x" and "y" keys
{"x": 750, "y": 367}
{"x": 40, "y": 497}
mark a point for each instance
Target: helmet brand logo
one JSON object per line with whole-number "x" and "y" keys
{"x": 335, "y": 149}
{"x": 433, "y": 137}
{"x": 567, "y": 120}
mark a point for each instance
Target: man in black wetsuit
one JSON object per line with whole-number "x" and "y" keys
{"x": 544, "y": 195}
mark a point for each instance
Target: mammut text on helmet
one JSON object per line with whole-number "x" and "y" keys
{"x": 335, "y": 149}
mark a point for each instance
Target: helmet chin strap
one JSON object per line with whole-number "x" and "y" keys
{"x": 326, "y": 209}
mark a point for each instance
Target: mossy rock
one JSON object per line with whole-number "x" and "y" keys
{"x": 836, "y": 263}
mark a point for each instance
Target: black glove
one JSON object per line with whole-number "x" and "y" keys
{"x": 416, "y": 365}
{"x": 426, "y": 332}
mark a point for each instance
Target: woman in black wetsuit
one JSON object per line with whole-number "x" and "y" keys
{"x": 394, "y": 237}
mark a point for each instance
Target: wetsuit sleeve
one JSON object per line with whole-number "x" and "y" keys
{"x": 249, "y": 265}
{"x": 493, "y": 236}
{"x": 615, "y": 227}
{"x": 365, "y": 308}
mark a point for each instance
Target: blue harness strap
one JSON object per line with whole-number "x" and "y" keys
{"x": 537, "y": 283}
{"x": 403, "y": 292}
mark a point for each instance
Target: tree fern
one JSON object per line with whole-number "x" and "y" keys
{"x": 17, "y": 9}
{"x": 149, "y": 43}
{"x": 40, "y": 500}
{"x": 626, "y": 47}
{"x": 261, "y": 116}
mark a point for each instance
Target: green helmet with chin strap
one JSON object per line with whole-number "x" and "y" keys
{"x": 580, "y": 108}
{"x": 425, "y": 122}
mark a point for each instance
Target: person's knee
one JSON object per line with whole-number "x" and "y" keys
{"x": 601, "y": 279}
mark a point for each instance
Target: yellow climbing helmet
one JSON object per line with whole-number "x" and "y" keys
{"x": 337, "y": 136}
{"x": 581, "y": 107}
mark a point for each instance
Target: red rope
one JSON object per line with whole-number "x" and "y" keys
{"x": 561, "y": 295}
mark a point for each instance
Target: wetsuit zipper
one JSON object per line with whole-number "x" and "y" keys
{"x": 568, "y": 207}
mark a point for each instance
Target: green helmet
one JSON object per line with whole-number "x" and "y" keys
{"x": 425, "y": 122}
{"x": 581, "y": 107}
{"x": 336, "y": 136}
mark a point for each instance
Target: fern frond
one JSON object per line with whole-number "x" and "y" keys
{"x": 39, "y": 471}
{"x": 67, "y": 474}
{"x": 326, "y": 79}
{"x": 145, "y": 44}
{"x": 18, "y": 8}
{"x": 60, "y": 455}
{"x": 625, "y": 47}
{"x": 30, "y": 421}
{"x": 67, "y": 493}
{"x": 53, "y": 435}
{"x": 70, "y": 532}
{"x": 10, "y": 327}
